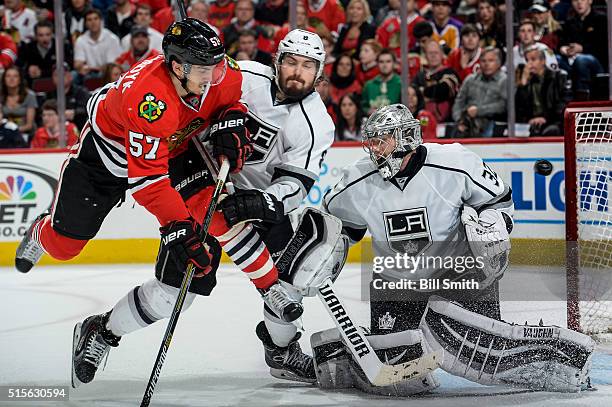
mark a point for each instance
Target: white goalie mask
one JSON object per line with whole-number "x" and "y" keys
{"x": 302, "y": 43}
{"x": 390, "y": 133}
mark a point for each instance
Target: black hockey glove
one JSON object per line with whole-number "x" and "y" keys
{"x": 230, "y": 138}
{"x": 251, "y": 205}
{"x": 181, "y": 239}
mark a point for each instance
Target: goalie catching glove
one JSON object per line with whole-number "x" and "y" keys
{"x": 251, "y": 205}
{"x": 488, "y": 236}
{"x": 229, "y": 137}
{"x": 181, "y": 239}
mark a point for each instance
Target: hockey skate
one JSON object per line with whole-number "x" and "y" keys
{"x": 288, "y": 363}
{"x": 282, "y": 303}
{"x": 90, "y": 343}
{"x": 29, "y": 250}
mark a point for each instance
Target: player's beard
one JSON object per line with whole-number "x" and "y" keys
{"x": 292, "y": 89}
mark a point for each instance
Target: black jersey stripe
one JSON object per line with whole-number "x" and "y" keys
{"x": 105, "y": 150}
{"x": 462, "y": 172}
{"x": 294, "y": 193}
{"x": 311, "y": 135}
{"x": 306, "y": 181}
{"x": 243, "y": 242}
{"x": 350, "y": 184}
{"x": 143, "y": 180}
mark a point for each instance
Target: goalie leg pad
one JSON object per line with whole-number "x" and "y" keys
{"x": 316, "y": 251}
{"x": 489, "y": 351}
{"x": 336, "y": 369}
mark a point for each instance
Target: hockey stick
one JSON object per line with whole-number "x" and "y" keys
{"x": 163, "y": 349}
{"x": 377, "y": 372}
{"x": 182, "y": 11}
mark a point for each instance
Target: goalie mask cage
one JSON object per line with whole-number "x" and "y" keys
{"x": 588, "y": 216}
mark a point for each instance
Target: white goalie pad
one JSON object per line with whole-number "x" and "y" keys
{"x": 317, "y": 251}
{"x": 489, "y": 352}
{"x": 336, "y": 368}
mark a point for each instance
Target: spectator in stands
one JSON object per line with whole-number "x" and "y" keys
{"x": 199, "y": 9}
{"x": 584, "y": 46}
{"x": 465, "y": 60}
{"x": 10, "y": 137}
{"x": 120, "y": 17}
{"x": 367, "y": 68}
{"x": 391, "y": 9}
{"x": 389, "y": 31}
{"x": 343, "y": 80}
{"x": 166, "y": 16}
{"x": 19, "y": 18}
{"x": 48, "y": 135}
{"x": 96, "y": 48}
{"x": 386, "y": 88}
{"x": 467, "y": 10}
{"x": 103, "y": 5}
{"x": 139, "y": 49}
{"x": 76, "y": 98}
{"x": 272, "y": 13}
{"x": 326, "y": 15}
{"x": 482, "y": 98}
{"x": 8, "y": 51}
{"x": 356, "y": 30}
{"x": 244, "y": 20}
{"x": 111, "y": 73}
{"x": 38, "y": 56}
{"x": 74, "y": 18}
{"x": 548, "y": 30}
{"x": 526, "y": 35}
{"x": 416, "y": 105}
{"x": 221, "y": 13}
{"x": 490, "y": 24}
{"x": 301, "y": 22}
{"x": 328, "y": 44}
{"x": 155, "y": 5}
{"x": 248, "y": 51}
{"x": 323, "y": 89}
{"x": 540, "y": 95}
{"x": 350, "y": 118}
{"x": 437, "y": 82}
{"x": 446, "y": 28}
{"x": 18, "y": 101}
{"x": 144, "y": 18}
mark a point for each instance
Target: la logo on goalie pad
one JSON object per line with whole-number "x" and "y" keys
{"x": 408, "y": 230}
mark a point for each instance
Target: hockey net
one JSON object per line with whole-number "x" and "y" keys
{"x": 588, "y": 183}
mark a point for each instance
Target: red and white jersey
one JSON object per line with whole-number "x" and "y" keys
{"x": 454, "y": 61}
{"x": 127, "y": 59}
{"x": 389, "y": 32}
{"x": 8, "y": 51}
{"x": 140, "y": 122}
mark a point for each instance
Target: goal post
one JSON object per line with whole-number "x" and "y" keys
{"x": 588, "y": 216}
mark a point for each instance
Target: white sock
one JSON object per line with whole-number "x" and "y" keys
{"x": 280, "y": 331}
{"x": 143, "y": 306}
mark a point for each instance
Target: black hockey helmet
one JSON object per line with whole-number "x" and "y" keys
{"x": 192, "y": 41}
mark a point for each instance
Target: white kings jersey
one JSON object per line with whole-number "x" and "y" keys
{"x": 290, "y": 140}
{"x": 418, "y": 211}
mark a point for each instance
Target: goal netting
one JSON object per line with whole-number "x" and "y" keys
{"x": 588, "y": 183}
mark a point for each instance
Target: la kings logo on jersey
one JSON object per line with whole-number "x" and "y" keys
{"x": 408, "y": 230}
{"x": 263, "y": 137}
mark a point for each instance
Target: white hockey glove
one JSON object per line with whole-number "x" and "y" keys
{"x": 488, "y": 238}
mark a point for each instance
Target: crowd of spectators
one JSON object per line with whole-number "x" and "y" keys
{"x": 457, "y": 51}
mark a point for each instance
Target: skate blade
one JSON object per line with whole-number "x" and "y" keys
{"x": 76, "y": 336}
{"x": 286, "y": 375}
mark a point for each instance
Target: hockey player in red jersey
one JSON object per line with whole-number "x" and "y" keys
{"x": 136, "y": 125}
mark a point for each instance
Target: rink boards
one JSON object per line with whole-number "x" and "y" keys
{"x": 129, "y": 234}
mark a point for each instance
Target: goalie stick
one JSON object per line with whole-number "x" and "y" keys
{"x": 378, "y": 373}
{"x": 176, "y": 311}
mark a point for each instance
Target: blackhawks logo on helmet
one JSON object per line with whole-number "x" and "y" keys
{"x": 151, "y": 109}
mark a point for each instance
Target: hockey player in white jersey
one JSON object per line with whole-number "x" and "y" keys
{"x": 291, "y": 132}
{"x": 429, "y": 201}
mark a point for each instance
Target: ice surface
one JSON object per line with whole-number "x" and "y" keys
{"x": 215, "y": 358}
